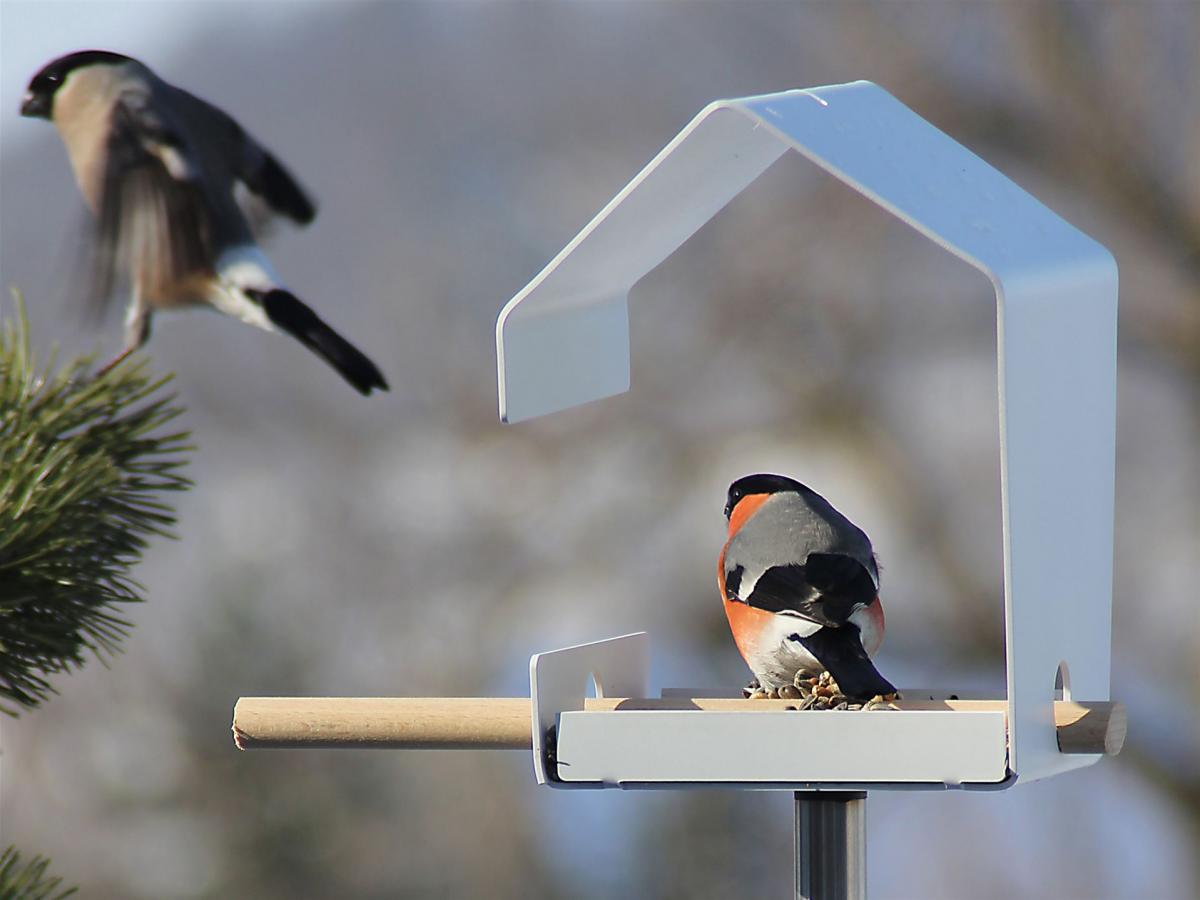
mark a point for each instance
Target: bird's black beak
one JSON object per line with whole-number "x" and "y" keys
{"x": 36, "y": 106}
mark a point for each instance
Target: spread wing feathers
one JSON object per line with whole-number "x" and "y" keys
{"x": 825, "y": 590}
{"x": 273, "y": 190}
{"x": 152, "y": 217}
{"x": 268, "y": 180}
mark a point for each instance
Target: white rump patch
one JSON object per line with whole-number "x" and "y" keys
{"x": 240, "y": 269}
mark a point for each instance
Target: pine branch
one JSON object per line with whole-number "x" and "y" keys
{"x": 28, "y": 881}
{"x": 82, "y": 470}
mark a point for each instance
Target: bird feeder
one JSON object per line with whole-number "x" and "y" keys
{"x": 564, "y": 340}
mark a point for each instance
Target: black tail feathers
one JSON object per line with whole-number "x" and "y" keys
{"x": 840, "y": 650}
{"x": 298, "y": 320}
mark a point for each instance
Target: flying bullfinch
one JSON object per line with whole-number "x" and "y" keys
{"x": 159, "y": 167}
{"x": 801, "y": 587}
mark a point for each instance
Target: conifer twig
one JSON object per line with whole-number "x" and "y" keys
{"x": 84, "y": 466}
{"x": 28, "y": 880}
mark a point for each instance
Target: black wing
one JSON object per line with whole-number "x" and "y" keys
{"x": 273, "y": 190}
{"x": 268, "y": 180}
{"x": 826, "y": 589}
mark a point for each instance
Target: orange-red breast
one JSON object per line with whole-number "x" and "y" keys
{"x": 801, "y": 587}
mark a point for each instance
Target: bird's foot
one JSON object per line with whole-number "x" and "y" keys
{"x": 116, "y": 361}
{"x": 883, "y": 701}
{"x": 820, "y": 685}
{"x": 754, "y": 691}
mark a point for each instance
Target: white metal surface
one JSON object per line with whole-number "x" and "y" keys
{"x": 558, "y": 681}
{"x": 782, "y": 750}
{"x": 564, "y": 340}
{"x": 644, "y": 747}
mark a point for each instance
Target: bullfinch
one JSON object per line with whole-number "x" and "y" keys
{"x": 801, "y": 587}
{"x": 160, "y": 169}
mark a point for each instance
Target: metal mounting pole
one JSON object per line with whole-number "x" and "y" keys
{"x": 831, "y": 845}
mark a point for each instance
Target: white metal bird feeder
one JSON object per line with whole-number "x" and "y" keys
{"x": 564, "y": 340}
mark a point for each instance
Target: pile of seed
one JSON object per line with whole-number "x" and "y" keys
{"x": 817, "y": 692}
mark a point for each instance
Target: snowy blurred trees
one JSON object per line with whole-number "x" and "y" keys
{"x": 414, "y": 545}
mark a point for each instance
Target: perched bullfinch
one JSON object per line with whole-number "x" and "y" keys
{"x": 801, "y": 587}
{"x": 159, "y": 169}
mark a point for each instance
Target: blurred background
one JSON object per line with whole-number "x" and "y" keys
{"x": 409, "y": 544}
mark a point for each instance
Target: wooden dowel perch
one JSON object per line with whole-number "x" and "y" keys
{"x": 448, "y": 723}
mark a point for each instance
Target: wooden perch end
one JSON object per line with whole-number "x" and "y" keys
{"x": 1090, "y": 727}
{"x": 447, "y": 723}
{"x": 504, "y": 723}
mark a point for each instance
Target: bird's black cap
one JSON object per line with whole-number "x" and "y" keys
{"x": 760, "y": 484}
{"x": 39, "y": 97}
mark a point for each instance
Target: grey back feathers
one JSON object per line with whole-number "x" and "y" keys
{"x": 791, "y": 525}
